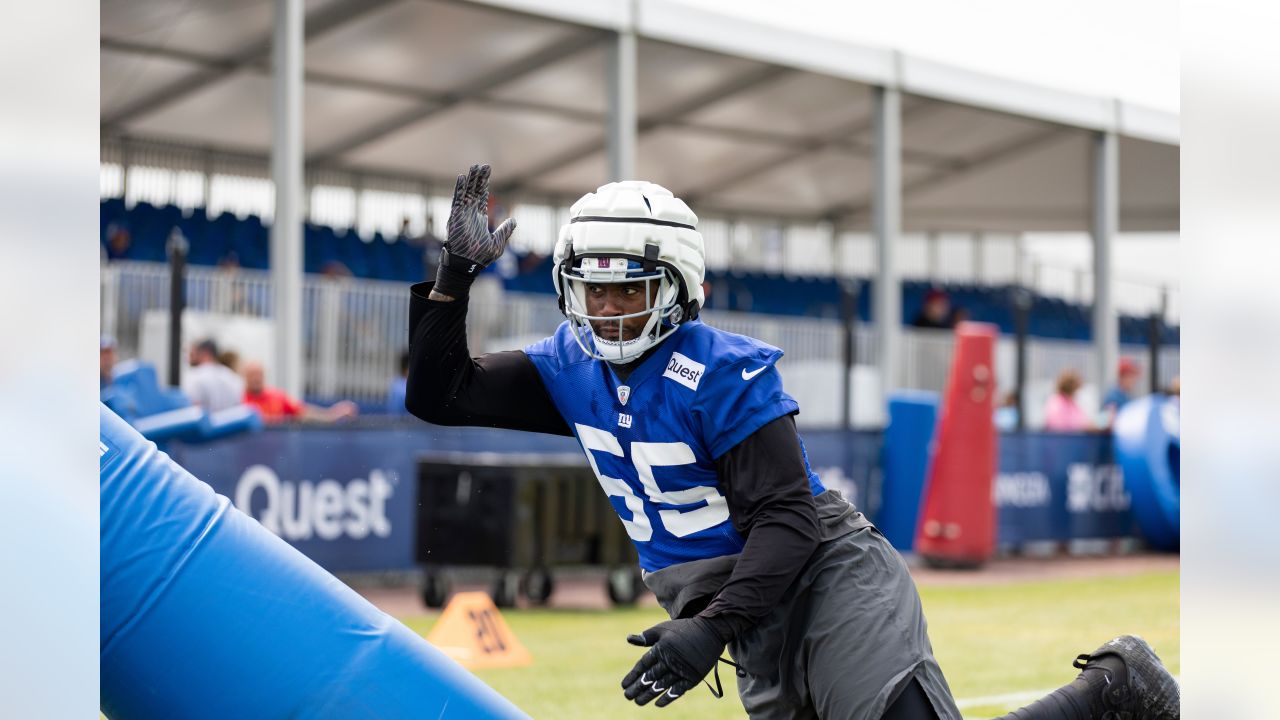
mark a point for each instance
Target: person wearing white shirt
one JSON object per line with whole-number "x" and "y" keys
{"x": 208, "y": 383}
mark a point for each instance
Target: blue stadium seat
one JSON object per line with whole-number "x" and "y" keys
{"x": 220, "y": 232}
{"x": 353, "y": 252}
{"x": 326, "y": 250}
{"x": 734, "y": 290}
{"x": 206, "y": 247}
{"x": 408, "y": 258}
{"x": 148, "y": 231}
{"x": 249, "y": 241}
{"x": 110, "y": 211}
{"x": 382, "y": 264}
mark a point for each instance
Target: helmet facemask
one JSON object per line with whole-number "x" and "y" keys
{"x": 663, "y": 305}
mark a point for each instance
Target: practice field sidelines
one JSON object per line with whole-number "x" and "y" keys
{"x": 580, "y": 654}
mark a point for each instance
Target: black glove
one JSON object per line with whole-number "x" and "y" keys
{"x": 681, "y": 653}
{"x": 470, "y": 246}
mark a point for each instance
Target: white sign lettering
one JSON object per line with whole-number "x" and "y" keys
{"x": 326, "y": 510}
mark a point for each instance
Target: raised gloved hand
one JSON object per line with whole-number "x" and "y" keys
{"x": 470, "y": 247}
{"x": 681, "y": 653}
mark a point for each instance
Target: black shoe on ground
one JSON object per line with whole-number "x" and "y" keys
{"x": 1131, "y": 682}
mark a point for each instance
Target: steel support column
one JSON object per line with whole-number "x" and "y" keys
{"x": 622, "y": 120}
{"x": 286, "y": 173}
{"x": 886, "y": 213}
{"x": 1106, "y": 214}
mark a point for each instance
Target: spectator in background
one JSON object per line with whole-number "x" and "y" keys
{"x": 276, "y": 405}
{"x": 957, "y": 316}
{"x": 936, "y": 312}
{"x": 119, "y": 240}
{"x": 1062, "y": 413}
{"x": 396, "y": 390}
{"x": 335, "y": 270}
{"x": 531, "y": 262}
{"x": 1127, "y": 374}
{"x": 208, "y": 383}
{"x": 106, "y": 361}
{"x": 120, "y": 400}
{"x": 1006, "y": 415}
{"x": 230, "y": 359}
{"x": 1175, "y": 387}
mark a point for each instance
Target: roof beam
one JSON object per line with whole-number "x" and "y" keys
{"x": 554, "y": 52}
{"x": 789, "y": 141}
{"x": 839, "y": 138}
{"x": 795, "y": 142}
{"x": 316, "y": 23}
{"x": 1007, "y": 151}
{"x": 353, "y": 83}
{"x": 672, "y": 114}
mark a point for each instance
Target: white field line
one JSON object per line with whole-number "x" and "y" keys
{"x": 1014, "y": 699}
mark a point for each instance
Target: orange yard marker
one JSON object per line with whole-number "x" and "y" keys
{"x": 472, "y": 631}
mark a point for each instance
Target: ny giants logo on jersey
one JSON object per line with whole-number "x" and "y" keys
{"x": 684, "y": 371}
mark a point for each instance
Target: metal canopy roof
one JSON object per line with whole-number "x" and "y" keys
{"x": 734, "y": 116}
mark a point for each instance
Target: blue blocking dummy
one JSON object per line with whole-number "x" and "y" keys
{"x": 913, "y": 414}
{"x": 1147, "y": 445}
{"x": 206, "y": 614}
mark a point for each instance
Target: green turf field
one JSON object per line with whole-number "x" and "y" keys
{"x": 992, "y": 640}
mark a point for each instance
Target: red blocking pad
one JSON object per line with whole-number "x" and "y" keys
{"x": 958, "y": 518}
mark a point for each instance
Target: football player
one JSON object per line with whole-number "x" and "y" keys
{"x": 693, "y": 438}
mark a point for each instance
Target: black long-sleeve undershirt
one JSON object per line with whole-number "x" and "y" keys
{"x": 763, "y": 477}
{"x": 771, "y": 505}
{"x": 446, "y": 386}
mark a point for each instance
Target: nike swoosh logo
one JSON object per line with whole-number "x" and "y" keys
{"x": 748, "y": 375}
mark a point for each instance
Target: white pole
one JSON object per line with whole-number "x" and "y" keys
{"x": 887, "y": 225}
{"x": 621, "y": 84}
{"x": 286, "y": 172}
{"x": 1106, "y": 214}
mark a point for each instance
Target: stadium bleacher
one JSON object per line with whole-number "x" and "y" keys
{"x": 217, "y": 240}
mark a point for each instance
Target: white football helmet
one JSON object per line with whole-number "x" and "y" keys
{"x": 630, "y": 231}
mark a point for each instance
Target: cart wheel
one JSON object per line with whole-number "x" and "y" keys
{"x": 624, "y": 585}
{"x": 538, "y": 585}
{"x": 505, "y": 589}
{"x": 435, "y": 589}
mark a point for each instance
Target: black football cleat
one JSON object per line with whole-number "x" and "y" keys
{"x": 1130, "y": 682}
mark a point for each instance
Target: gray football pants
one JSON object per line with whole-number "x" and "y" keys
{"x": 847, "y": 637}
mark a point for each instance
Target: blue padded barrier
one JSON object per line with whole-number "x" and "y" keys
{"x": 233, "y": 420}
{"x": 207, "y": 615}
{"x": 186, "y": 423}
{"x": 1147, "y": 444}
{"x": 913, "y": 415}
{"x": 139, "y": 379}
{"x": 163, "y": 414}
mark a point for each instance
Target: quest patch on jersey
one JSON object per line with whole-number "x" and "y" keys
{"x": 684, "y": 371}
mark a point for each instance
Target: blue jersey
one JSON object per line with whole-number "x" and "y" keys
{"x": 652, "y": 441}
